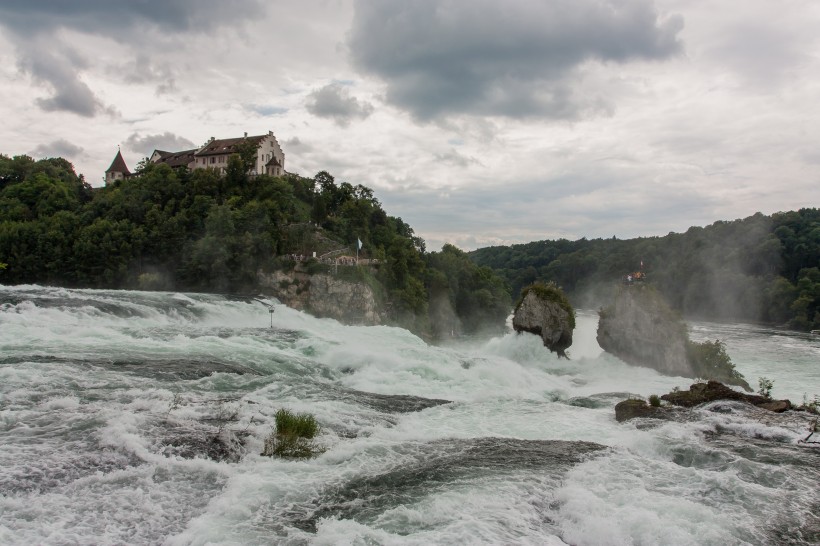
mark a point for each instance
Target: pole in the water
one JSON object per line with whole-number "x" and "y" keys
{"x": 269, "y": 306}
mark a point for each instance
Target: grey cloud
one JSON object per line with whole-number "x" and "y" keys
{"x": 333, "y": 101}
{"x": 297, "y": 143}
{"x": 58, "y": 148}
{"x": 166, "y": 141}
{"x": 55, "y": 68}
{"x": 514, "y": 59}
{"x": 143, "y": 70}
{"x": 33, "y": 27}
{"x": 266, "y": 110}
{"x": 116, "y": 17}
{"x": 453, "y": 157}
{"x": 763, "y": 54}
{"x": 597, "y": 203}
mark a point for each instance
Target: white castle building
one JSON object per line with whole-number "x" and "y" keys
{"x": 214, "y": 154}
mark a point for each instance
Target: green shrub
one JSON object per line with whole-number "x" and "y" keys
{"x": 765, "y": 385}
{"x": 293, "y": 437}
{"x": 314, "y": 267}
{"x": 655, "y": 401}
{"x": 711, "y": 361}
{"x": 303, "y": 425}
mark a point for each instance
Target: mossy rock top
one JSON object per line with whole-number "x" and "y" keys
{"x": 552, "y": 293}
{"x": 544, "y": 310}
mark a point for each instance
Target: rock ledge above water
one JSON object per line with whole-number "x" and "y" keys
{"x": 698, "y": 393}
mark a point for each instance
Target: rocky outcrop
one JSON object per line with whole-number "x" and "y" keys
{"x": 324, "y": 295}
{"x": 634, "y": 407}
{"x": 698, "y": 393}
{"x": 642, "y": 330}
{"x": 546, "y": 312}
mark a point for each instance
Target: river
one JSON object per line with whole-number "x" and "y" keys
{"x": 110, "y": 402}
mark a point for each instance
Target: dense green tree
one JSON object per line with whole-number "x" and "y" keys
{"x": 748, "y": 269}
{"x": 464, "y": 297}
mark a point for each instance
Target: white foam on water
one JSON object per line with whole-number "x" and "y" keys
{"x": 86, "y": 420}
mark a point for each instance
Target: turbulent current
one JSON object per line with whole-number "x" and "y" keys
{"x": 140, "y": 418}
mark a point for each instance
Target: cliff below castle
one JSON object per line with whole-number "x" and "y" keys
{"x": 324, "y": 295}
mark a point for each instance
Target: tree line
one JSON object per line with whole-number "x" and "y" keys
{"x": 201, "y": 230}
{"x": 760, "y": 269}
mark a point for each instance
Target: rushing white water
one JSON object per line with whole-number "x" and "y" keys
{"x": 110, "y": 402}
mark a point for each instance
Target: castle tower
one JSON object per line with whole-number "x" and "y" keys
{"x": 117, "y": 171}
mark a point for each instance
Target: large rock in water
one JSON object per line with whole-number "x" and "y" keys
{"x": 545, "y": 311}
{"x": 641, "y": 329}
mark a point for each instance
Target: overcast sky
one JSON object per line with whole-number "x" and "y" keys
{"x": 478, "y": 122}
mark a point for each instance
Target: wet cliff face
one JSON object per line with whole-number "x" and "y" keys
{"x": 325, "y": 296}
{"x": 544, "y": 318}
{"x": 641, "y": 329}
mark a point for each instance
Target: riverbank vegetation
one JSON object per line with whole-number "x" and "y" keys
{"x": 201, "y": 230}
{"x": 758, "y": 269}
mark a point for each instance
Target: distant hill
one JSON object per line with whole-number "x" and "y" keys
{"x": 760, "y": 269}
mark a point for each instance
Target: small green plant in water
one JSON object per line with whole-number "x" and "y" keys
{"x": 303, "y": 424}
{"x": 655, "y": 401}
{"x": 293, "y": 437}
{"x": 765, "y": 385}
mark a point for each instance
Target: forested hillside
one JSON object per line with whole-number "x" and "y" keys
{"x": 199, "y": 230}
{"x": 761, "y": 268}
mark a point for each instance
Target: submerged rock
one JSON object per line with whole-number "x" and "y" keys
{"x": 642, "y": 330}
{"x": 545, "y": 311}
{"x": 634, "y": 407}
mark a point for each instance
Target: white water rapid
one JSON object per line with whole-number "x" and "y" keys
{"x": 139, "y": 418}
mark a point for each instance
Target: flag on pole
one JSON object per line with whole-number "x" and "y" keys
{"x": 360, "y": 243}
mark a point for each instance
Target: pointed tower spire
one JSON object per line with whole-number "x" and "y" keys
{"x": 118, "y": 169}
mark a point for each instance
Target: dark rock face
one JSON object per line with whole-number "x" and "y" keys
{"x": 547, "y": 319}
{"x": 700, "y": 393}
{"x": 777, "y": 406}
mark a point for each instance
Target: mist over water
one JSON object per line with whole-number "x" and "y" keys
{"x": 110, "y": 402}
